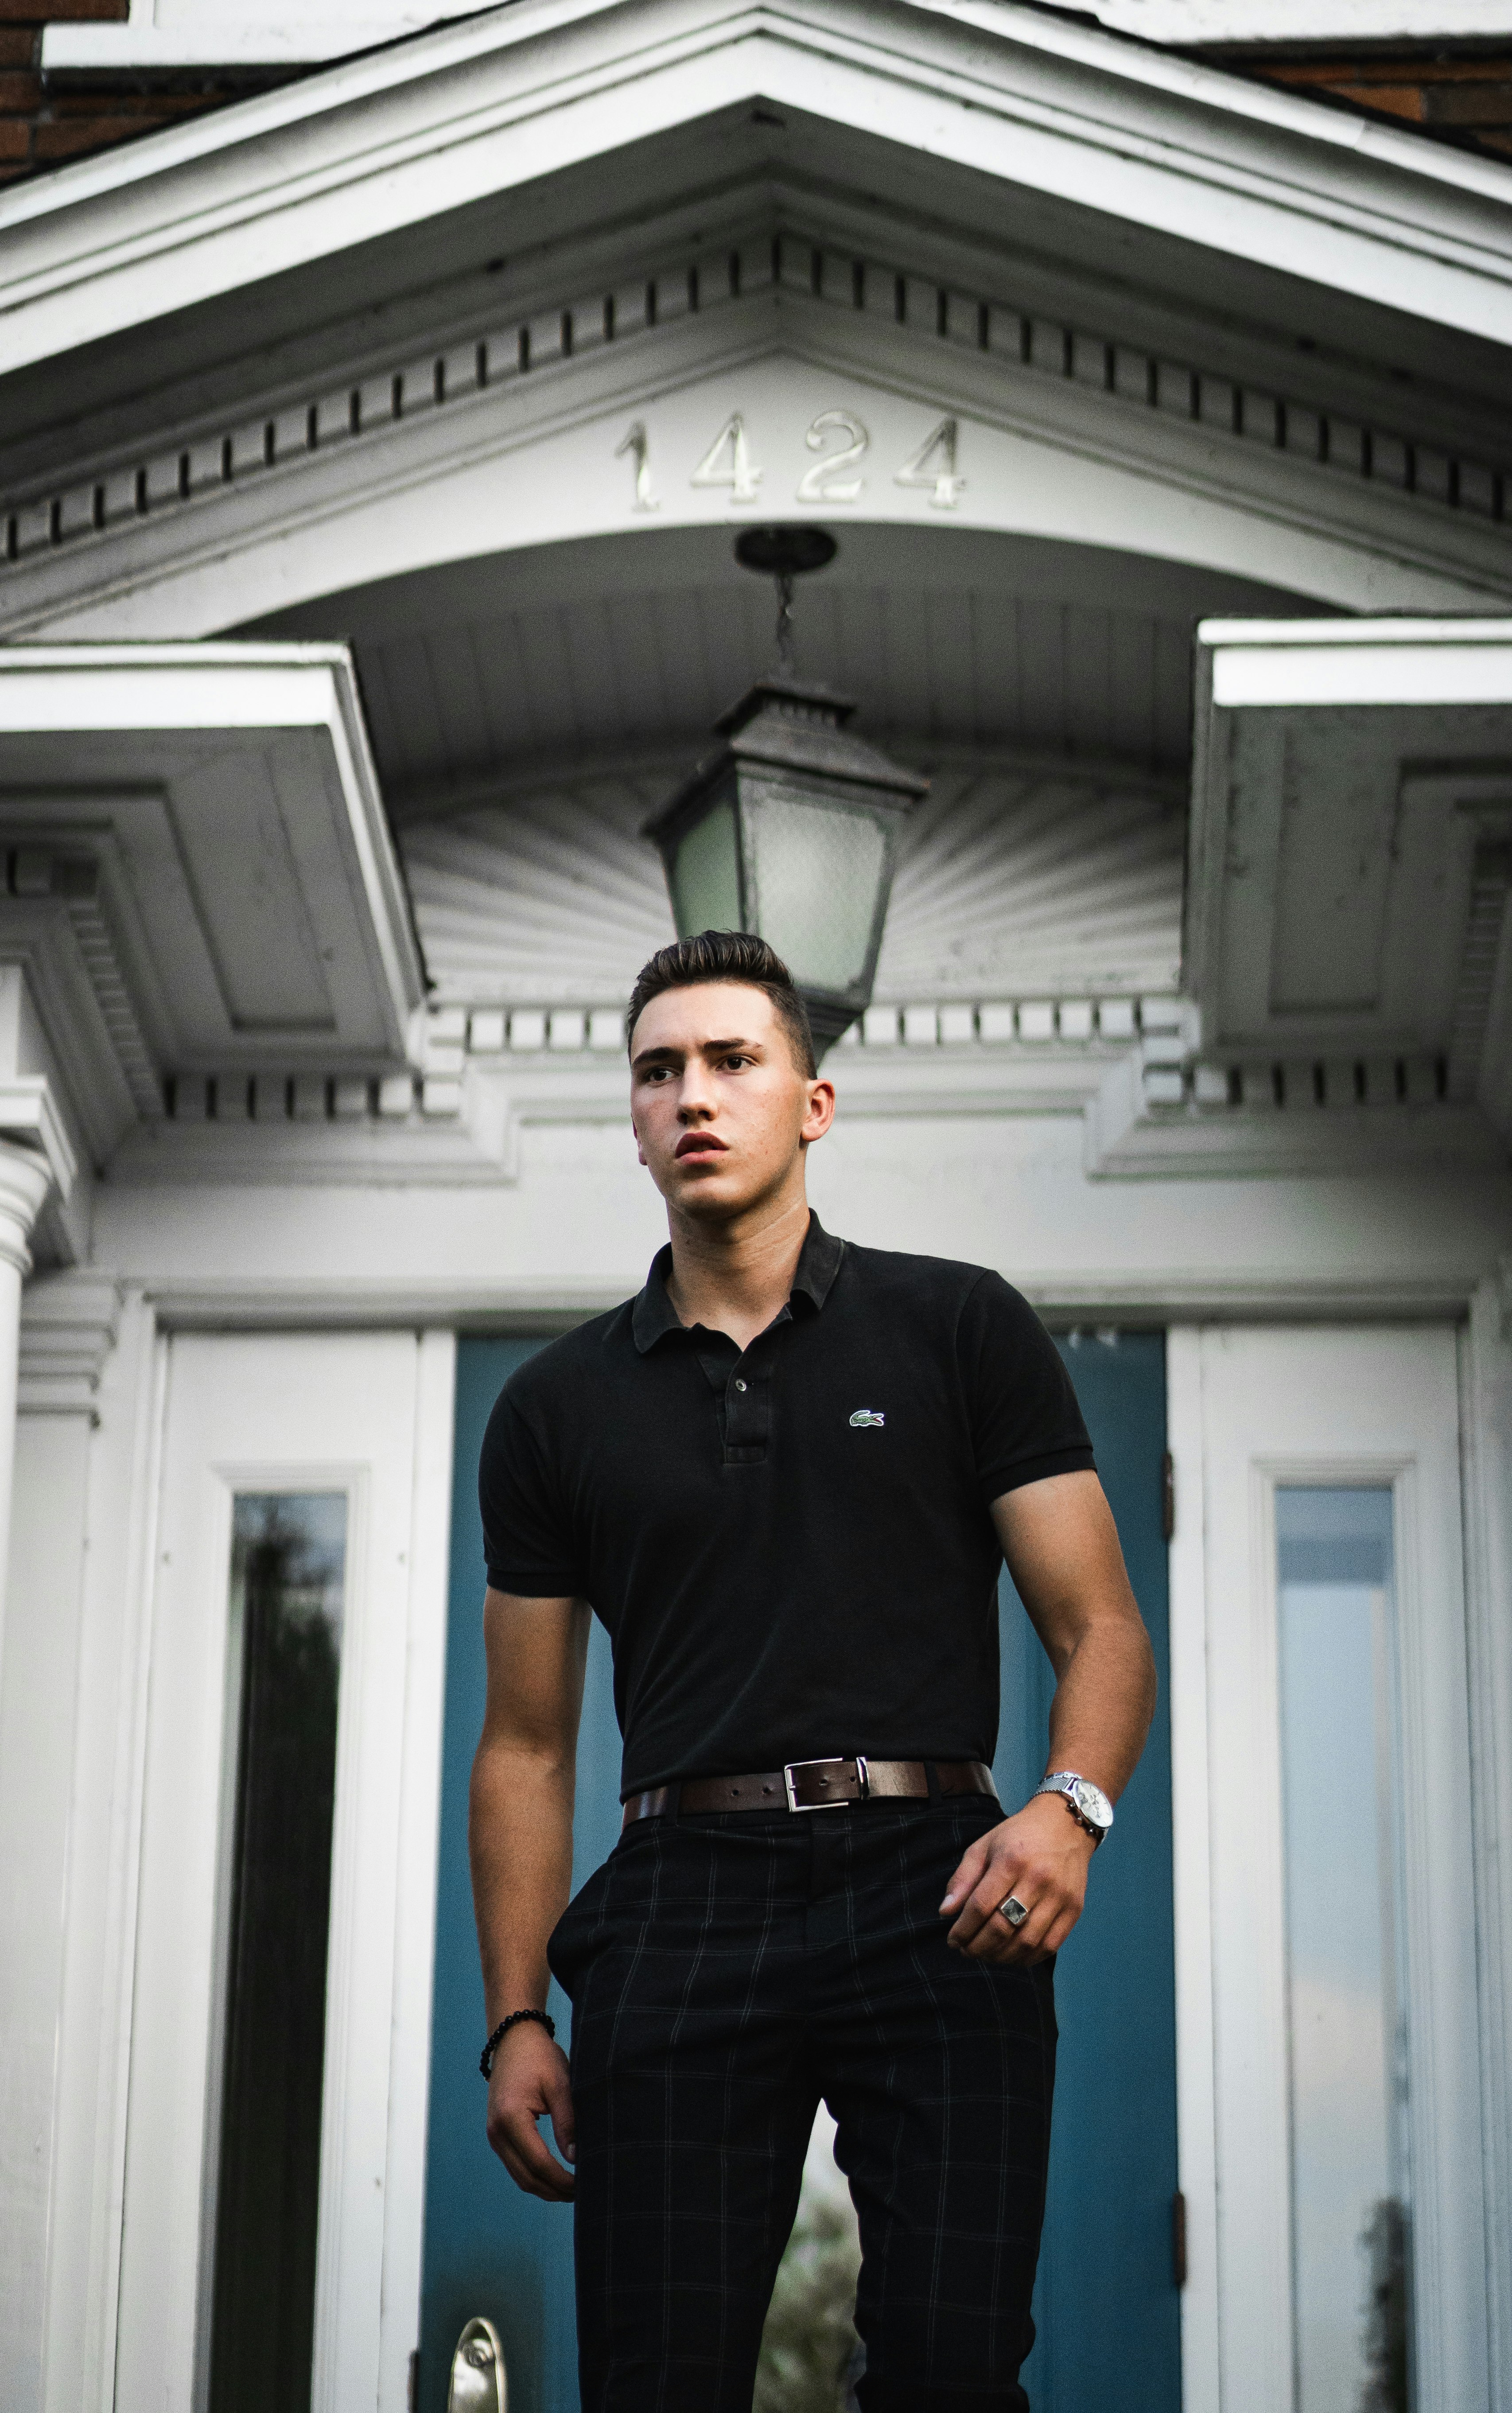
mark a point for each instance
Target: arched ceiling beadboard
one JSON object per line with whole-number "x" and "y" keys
{"x": 1100, "y": 677}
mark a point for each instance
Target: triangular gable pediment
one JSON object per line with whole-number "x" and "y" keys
{"x": 1024, "y": 124}
{"x": 772, "y": 373}
{"x": 1097, "y": 265}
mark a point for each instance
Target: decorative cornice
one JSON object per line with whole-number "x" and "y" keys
{"x": 1164, "y": 1111}
{"x": 68, "y": 1324}
{"x": 1153, "y": 1106}
{"x": 281, "y": 440}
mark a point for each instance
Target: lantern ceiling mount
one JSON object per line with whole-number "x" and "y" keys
{"x": 792, "y": 827}
{"x": 783, "y": 552}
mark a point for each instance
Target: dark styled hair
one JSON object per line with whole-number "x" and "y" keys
{"x": 727, "y": 955}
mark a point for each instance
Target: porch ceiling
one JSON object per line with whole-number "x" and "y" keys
{"x": 529, "y": 710}
{"x": 478, "y": 671}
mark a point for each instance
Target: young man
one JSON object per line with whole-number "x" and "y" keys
{"x": 785, "y": 1477}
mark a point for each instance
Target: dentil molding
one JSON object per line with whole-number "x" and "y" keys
{"x": 210, "y": 488}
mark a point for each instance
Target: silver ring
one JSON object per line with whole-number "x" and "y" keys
{"x": 1014, "y": 1911}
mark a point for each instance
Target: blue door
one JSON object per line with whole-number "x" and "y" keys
{"x": 1107, "y": 2305}
{"x": 489, "y": 2248}
{"x": 1106, "y": 2302}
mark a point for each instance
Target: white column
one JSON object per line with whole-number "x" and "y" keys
{"x": 1488, "y": 1447}
{"x": 24, "y": 1182}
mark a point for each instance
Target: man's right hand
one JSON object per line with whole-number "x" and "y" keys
{"x": 520, "y": 1836}
{"x": 530, "y": 2083}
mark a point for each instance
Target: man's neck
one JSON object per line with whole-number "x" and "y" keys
{"x": 735, "y": 1278}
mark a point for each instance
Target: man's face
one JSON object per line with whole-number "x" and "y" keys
{"x": 721, "y": 1112}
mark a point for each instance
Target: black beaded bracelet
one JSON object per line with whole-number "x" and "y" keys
{"x": 486, "y": 2059}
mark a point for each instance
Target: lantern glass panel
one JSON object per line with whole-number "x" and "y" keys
{"x": 817, "y": 871}
{"x": 706, "y": 877}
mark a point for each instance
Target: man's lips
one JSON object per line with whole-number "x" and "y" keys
{"x": 699, "y": 1144}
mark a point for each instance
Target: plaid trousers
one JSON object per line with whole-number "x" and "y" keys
{"x": 726, "y": 1972}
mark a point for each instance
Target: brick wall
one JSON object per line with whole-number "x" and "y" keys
{"x": 1457, "y": 94}
{"x": 42, "y": 125}
{"x": 1463, "y": 96}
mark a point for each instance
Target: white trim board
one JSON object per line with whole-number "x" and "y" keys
{"x": 163, "y": 36}
{"x": 1217, "y": 24}
{"x": 253, "y": 1302}
{"x": 1486, "y": 1394}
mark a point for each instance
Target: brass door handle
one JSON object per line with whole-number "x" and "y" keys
{"x": 478, "y": 2381}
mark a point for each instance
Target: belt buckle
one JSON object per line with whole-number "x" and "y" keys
{"x": 797, "y": 1768}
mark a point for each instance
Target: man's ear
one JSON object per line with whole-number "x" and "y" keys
{"x": 820, "y": 1112}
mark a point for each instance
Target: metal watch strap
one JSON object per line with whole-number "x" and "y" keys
{"x": 1061, "y": 1781}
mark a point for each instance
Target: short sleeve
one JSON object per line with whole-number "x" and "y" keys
{"x": 528, "y": 1540}
{"x": 1026, "y": 1423}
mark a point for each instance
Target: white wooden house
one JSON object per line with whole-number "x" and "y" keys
{"x": 374, "y": 446}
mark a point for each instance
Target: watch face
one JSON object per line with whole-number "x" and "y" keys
{"x": 1092, "y": 1802}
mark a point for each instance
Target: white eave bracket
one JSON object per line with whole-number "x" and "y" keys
{"x": 29, "y": 1112}
{"x": 196, "y": 872}
{"x": 1350, "y": 864}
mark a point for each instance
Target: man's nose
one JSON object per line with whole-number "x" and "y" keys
{"x": 694, "y": 1104}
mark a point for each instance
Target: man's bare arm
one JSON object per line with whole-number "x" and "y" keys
{"x": 1062, "y": 1551}
{"x": 520, "y": 1839}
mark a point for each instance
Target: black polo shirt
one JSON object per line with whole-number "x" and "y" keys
{"x": 791, "y": 1546}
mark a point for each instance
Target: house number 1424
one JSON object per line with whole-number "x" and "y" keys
{"x": 839, "y": 443}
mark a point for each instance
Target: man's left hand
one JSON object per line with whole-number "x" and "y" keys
{"x": 1039, "y": 1857}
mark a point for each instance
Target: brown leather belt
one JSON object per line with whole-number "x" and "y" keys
{"x": 815, "y": 1785}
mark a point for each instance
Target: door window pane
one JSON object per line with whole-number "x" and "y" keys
{"x": 1347, "y": 2038}
{"x": 288, "y": 1567}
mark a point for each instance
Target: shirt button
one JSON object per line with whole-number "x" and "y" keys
{"x": 739, "y": 1384}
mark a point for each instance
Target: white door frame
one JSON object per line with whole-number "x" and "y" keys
{"x": 1250, "y": 1409}
{"x": 369, "y": 1415}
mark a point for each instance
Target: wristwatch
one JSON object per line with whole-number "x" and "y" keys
{"x": 1088, "y": 1802}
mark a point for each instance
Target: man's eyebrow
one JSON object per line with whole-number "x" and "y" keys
{"x": 706, "y": 1047}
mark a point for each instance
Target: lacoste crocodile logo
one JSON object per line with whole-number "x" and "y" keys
{"x": 869, "y": 1416}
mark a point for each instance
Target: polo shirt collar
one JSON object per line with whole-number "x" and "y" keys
{"x": 653, "y": 1315}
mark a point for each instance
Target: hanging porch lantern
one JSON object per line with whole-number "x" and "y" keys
{"x": 792, "y": 827}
